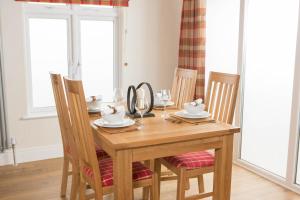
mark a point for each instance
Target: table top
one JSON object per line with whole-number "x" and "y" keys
{"x": 159, "y": 131}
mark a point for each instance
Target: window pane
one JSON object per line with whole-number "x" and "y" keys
{"x": 48, "y": 50}
{"x": 97, "y": 52}
{"x": 270, "y": 61}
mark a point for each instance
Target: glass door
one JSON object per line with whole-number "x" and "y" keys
{"x": 270, "y": 47}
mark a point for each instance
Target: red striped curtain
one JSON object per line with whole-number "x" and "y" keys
{"x": 92, "y": 2}
{"x": 192, "y": 41}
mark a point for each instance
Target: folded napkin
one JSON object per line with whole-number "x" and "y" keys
{"x": 197, "y": 102}
{"x": 112, "y": 110}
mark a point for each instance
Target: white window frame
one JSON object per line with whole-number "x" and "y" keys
{"x": 290, "y": 181}
{"x": 73, "y": 14}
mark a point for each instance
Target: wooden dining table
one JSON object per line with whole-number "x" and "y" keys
{"x": 160, "y": 138}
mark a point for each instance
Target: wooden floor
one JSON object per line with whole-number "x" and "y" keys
{"x": 41, "y": 181}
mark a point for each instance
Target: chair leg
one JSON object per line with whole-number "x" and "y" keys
{"x": 146, "y": 191}
{"x": 156, "y": 179}
{"x": 82, "y": 189}
{"x": 98, "y": 195}
{"x": 201, "y": 184}
{"x": 187, "y": 184}
{"x": 75, "y": 184}
{"x": 181, "y": 185}
{"x": 64, "y": 180}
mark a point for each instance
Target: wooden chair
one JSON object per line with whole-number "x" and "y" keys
{"x": 220, "y": 102}
{"x": 93, "y": 171}
{"x": 69, "y": 149}
{"x": 183, "y": 88}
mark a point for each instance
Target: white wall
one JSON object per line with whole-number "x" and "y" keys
{"x": 152, "y": 42}
{"x": 152, "y": 46}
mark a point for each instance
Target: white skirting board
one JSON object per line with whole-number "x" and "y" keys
{"x": 31, "y": 154}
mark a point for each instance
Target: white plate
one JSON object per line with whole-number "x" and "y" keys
{"x": 102, "y": 123}
{"x": 185, "y": 114}
{"x": 94, "y": 110}
{"x": 161, "y": 104}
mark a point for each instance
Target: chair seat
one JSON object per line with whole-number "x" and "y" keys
{"x": 191, "y": 160}
{"x": 101, "y": 153}
{"x": 139, "y": 171}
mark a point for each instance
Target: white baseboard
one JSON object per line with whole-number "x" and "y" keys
{"x": 31, "y": 154}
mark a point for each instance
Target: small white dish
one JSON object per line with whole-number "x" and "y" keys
{"x": 94, "y": 110}
{"x": 125, "y": 123}
{"x": 94, "y": 102}
{"x": 185, "y": 114}
{"x": 194, "y": 109}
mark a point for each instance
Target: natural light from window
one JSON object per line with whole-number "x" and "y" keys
{"x": 48, "y": 52}
{"x": 270, "y": 62}
{"x": 97, "y": 55}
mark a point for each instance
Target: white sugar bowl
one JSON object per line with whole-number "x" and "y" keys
{"x": 94, "y": 102}
{"x": 194, "y": 108}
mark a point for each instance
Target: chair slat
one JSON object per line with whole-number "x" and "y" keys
{"x": 213, "y": 97}
{"x": 219, "y": 97}
{"x": 227, "y": 103}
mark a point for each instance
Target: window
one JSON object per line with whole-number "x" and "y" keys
{"x": 78, "y": 41}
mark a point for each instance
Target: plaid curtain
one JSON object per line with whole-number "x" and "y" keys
{"x": 192, "y": 41}
{"x": 92, "y": 2}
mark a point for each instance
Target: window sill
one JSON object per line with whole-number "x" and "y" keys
{"x": 33, "y": 116}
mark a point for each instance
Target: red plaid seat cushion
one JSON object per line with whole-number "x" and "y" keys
{"x": 139, "y": 171}
{"x": 192, "y": 160}
{"x": 100, "y": 152}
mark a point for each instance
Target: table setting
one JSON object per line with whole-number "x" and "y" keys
{"x": 116, "y": 118}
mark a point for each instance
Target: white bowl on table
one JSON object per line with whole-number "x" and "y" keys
{"x": 94, "y": 103}
{"x": 114, "y": 118}
{"x": 194, "y": 109}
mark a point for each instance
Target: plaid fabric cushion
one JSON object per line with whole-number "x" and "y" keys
{"x": 100, "y": 152}
{"x": 92, "y": 2}
{"x": 139, "y": 171}
{"x": 192, "y": 160}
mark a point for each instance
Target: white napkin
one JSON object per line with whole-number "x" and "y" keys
{"x": 109, "y": 111}
{"x": 90, "y": 99}
{"x": 197, "y": 102}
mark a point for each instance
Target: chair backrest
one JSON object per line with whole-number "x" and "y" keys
{"x": 221, "y": 96}
{"x": 82, "y": 130}
{"x": 63, "y": 115}
{"x": 184, "y": 84}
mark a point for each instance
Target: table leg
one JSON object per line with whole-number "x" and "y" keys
{"x": 122, "y": 162}
{"x": 223, "y": 169}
